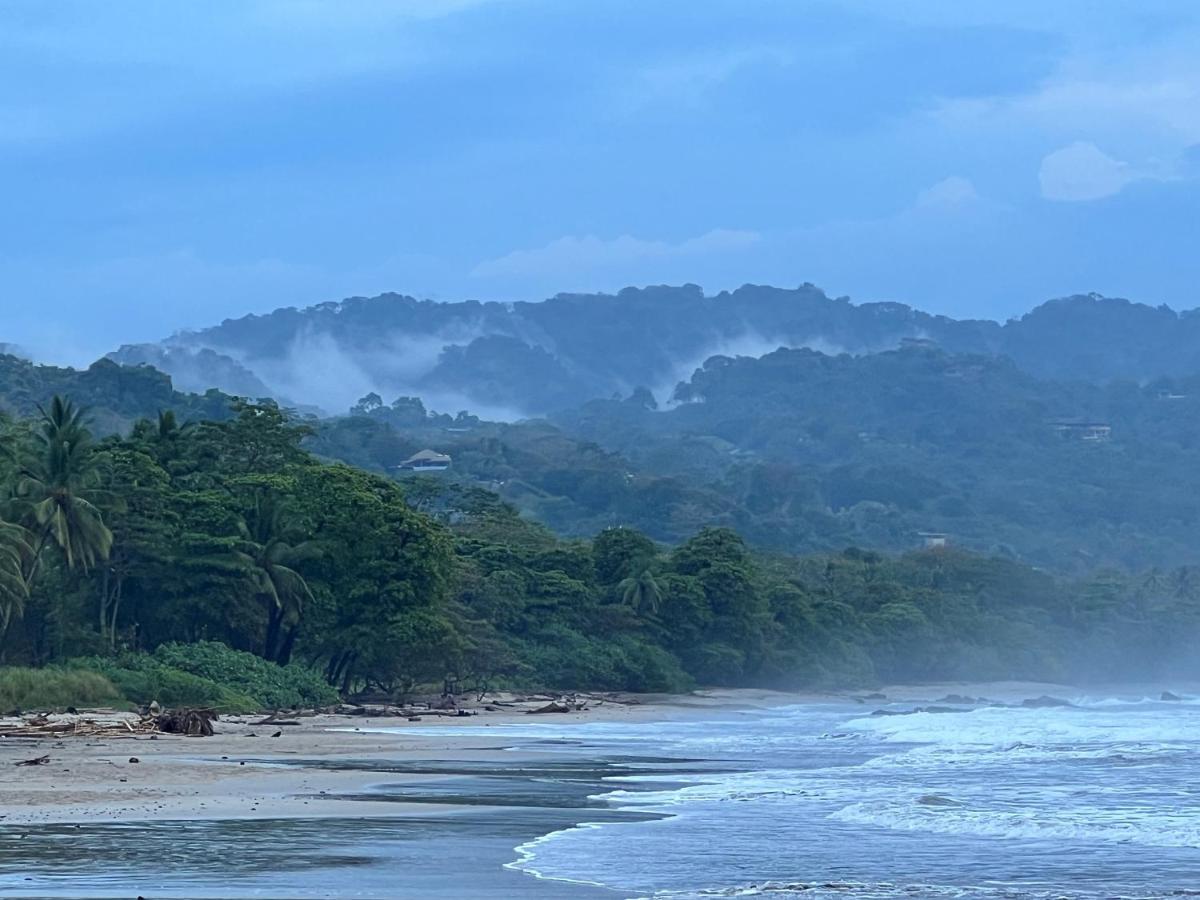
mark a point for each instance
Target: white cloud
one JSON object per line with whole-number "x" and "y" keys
{"x": 571, "y": 254}
{"x": 950, "y": 193}
{"x": 1138, "y": 99}
{"x": 1082, "y": 171}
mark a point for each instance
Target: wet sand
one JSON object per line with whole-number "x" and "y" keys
{"x": 244, "y": 772}
{"x": 329, "y": 808}
{"x": 333, "y": 807}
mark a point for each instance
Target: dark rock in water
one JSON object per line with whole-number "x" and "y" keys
{"x": 1167, "y": 695}
{"x": 936, "y": 800}
{"x": 892, "y": 712}
{"x": 875, "y": 696}
{"x": 1044, "y": 702}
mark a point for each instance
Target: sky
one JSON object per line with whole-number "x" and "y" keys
{"x": 167, "y": 165}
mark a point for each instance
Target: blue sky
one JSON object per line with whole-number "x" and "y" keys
{"x": 167, "y": 165}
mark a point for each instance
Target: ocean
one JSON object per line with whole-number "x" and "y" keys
{"x": 864, "y": 800}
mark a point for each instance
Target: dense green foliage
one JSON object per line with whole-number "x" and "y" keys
{"x": 802, "y": 452}
{"x": 212, "y": 674}
{"x": 221, "y": 531}
{"x": 220, "y": 563}
{"x": 54, "y": 687}
{"x": 115, "y": 396}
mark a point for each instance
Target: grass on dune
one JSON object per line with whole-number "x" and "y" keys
{"x": 55, "y": 688}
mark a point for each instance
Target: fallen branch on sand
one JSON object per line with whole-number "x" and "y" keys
{"x": 36, "y": 761}
{"x": 110, "y": 724}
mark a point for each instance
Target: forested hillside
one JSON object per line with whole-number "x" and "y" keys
{"x": 759, "y": 520}
{"x": 798, "y": 451}
{"x": 130, "y": 556}
{"x": 508, "y": 360}
{"x": 116, "y": 396}
{"x": 804, "y": 452}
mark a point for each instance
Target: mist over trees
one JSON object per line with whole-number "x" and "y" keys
{"x": 131, "y": 555}
{"x": 509, "y": 360}
{"x": 760, "y": 522}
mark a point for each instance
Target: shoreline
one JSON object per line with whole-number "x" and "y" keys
{"x": 248, "y": 771}
{"x": 439, "y": 808}
{"x": 245, "y": 771}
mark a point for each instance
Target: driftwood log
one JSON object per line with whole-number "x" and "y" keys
{"x": 193, "y": 722}
{"x": 554, "y": 706}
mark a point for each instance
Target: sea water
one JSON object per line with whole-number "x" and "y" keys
{"x": 859, "y": 800}
{"x": 1099, "y": 799}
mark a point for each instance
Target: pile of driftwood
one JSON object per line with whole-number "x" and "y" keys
{"x": 411, "y": 713}
{"x": 455, "y": 706}
{"x": 110, "y": 723}
{"x": 103, "y": 723}
{"x": 565, "y": 703}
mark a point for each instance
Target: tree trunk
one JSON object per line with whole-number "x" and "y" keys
{"x": 336, "y": 666}
{"x": 115, "y": 608}
{"x": 349, "y": 672}
{"x": 104, "y": 600}
{"x": 285, "y": 652}
{"x": 274, "y": 620}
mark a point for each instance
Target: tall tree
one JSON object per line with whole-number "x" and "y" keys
{"x": 15, "y": 554}
{"x": 58, "y": 489}
{"x": 641, "y": 592}
{"x": 272, "y": 545}
{"x": 145, "y": 532}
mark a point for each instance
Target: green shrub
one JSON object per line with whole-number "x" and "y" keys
{"x": 210, "y": 674}
{"x": 54, "y": 688}
{"x": 564, "y": 658}
{"x": 141, "y": 678}
{"x": 273, "y": 686}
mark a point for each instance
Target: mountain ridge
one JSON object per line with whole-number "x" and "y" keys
{"x": 508, "y": 360}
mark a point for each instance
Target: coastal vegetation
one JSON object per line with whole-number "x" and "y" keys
{"x": 221, "y": 563}
{"x": 802, "y": 452}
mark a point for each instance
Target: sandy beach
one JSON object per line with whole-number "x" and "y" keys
{"x": 244, "y": 771}
{"x": 609, "y": 802}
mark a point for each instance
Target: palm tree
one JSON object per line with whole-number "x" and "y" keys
{"x": 269, "y": 552}
{"x": 642, "y": 593}
{"x": 164, "y": 435}
{"x": 57, "y": 490}
{"x": 15, "y": 559}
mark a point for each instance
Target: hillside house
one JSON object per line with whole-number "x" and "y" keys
{"x": 426, "y": 461}
{"x": 934, "y": 539}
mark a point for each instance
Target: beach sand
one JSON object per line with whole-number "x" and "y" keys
{"x": 335, "y": 806}
{"x": 242, "y": 771}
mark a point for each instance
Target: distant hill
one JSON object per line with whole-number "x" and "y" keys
{"x": 801, "y": 451}
{"x": 194, "y": 369}
{"x": 115, "y": 396}
{"x": 798, "y": 450}
{"x": 507, "y": 360}
{"x": 814, "y": 450}
{"x": 1068, "y": 438}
